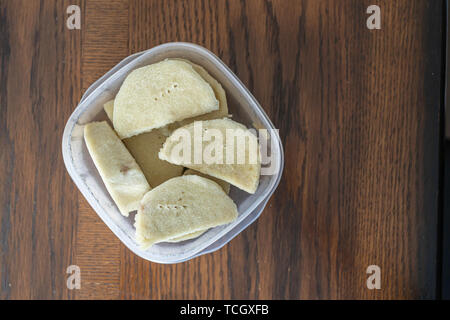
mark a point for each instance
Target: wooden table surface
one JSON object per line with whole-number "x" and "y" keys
{"x": 359, "y": 114}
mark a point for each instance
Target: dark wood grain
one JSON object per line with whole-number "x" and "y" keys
{"x": 359, "y": 116}
{"x": 445, "y": 267}
{"x": 40, "y": 86}
{"x": 105, "y": 43}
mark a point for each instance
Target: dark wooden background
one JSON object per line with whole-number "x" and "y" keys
{"x": 359, "y": 113}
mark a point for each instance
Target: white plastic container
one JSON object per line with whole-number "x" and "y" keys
{"x": 243, "y": 107}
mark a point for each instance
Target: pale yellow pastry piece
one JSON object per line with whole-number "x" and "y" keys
{"x": 153, "y": 96}
{"x": 222, "y": 112}
{"x": 242, "y": 172}
{"x": 109, "y": 109}
{"x": 119, "y": 171}
{"x": 219, "y": 93}
{"x": 188, "y": 236}
{"x": 181, "y": 206}
{"x": 223, "y": 184}
{"x": 144, "y": 148}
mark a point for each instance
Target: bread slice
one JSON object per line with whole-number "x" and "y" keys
{"x": 180, "y": 206}
{"x": 242, "y": 174}
{"x": 161, "y": 93}
{"x": 121, "y": 174}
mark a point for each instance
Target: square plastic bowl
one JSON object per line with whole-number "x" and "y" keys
{"x": 242, "y": 105}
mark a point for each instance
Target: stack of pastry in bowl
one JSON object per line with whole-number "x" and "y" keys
{"x": 156, "y": 113}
